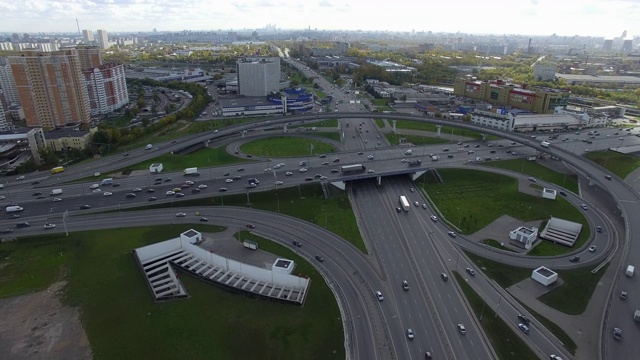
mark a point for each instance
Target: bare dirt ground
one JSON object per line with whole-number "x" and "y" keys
{"x": 38, "y": 326}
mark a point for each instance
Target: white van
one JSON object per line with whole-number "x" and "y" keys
{"x": 149, "y": 146}
{"x": 55, "y": 192}
{"x": 13, "y": 208}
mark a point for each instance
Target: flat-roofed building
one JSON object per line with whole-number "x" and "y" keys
{"x": 68, "y": 138}
{"x": 258, "y": 76}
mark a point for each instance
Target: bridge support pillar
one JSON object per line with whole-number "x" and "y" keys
{"x": 393, "y": 126}
{"x": 417, "y": 174}
{"x": 379, "y": 180}
{"x": 438, "y": 130}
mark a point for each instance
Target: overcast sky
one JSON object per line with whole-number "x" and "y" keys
{"x": 607, "y": 18}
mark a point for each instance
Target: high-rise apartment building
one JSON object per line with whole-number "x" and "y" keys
{"x": 258, "y": 76}
{"x": 608, "y": 45}
{"x": 103, "y": 39}
{"x": 627, "y": 45}
{"x": 4, "y": 124}
{"x": 88, "y": 36}
{"x": 8, "y": 85}
{"x": 90, "y": 56}
{"x": 106, "y": 87}
{"x": 51, "y": 88}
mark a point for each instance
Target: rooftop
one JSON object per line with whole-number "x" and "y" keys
{"x": 65, "y": 132}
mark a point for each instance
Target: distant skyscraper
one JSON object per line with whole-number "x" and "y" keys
{"x": 88, "y": 36}
{"x": 90, "y": 56}
{"x": 8, "y": 85}
{"x": 102, "y": 38}
{"x": 51, "y": 89}
{"x": 258, "y": 76}
{"x": 608, "y": 45}
{"x": 627, "y": 45}
{"x": 624, "y": 35}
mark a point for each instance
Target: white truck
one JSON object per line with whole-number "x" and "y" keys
{"x": 190, "y": 171}
{"x": 55, "y": 192}
{"x": 13, "y": 208}
{"x": 630, "y": 270}
{"x": 107, "y": 181}
{"x": 545, "y": 144}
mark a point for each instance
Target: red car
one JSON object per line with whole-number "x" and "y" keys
{"x": 251, "y": 226}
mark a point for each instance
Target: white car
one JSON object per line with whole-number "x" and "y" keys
{"x": 592, "y": 248}
{"x": 370, "y": 157}
{"x": 403, "y": 161}
{"x": 106, "y": 193}
{"x": 279, "y": 182}
{"x": 288, "y": 173}
{"x": 189, "y": 182}
{"x": 379, "y": 296}
{"x": 303, "y": 170}
{"x": 462, "y": 329}
{"x": 416, "y": 203}
{"x": 170, "y": 192}
{"x": 181, "y": 214}
{"x": 20, "y": 177}
{"x": 228, "y": 181}
{"x": 410, "y": 334}
{"x": 49, "y": 226}
{"x": 202, "y": 186}
{"x": 97, "y": 190}
{"x": 57, "y": 199}
{"x": 268, "y": 170}
{"x": 2, "y": 197}
{"x": 434, "y": 218}
{"x": 371, "y": 171}
{"x": 584, "y": 207}
{"x": 94, "y": 186}
{"x": 136, "y": 190}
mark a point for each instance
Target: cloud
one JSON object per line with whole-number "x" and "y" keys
{"x": 324, "y": 3}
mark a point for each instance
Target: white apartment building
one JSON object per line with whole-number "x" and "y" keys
{"x": 8, "y": 85}
{"x": 102, "y": 38}
{"x": 492, "y": 120}
{"x": 107, "y": 88}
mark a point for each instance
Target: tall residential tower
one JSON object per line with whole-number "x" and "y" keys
{"x": 50, "y": 86}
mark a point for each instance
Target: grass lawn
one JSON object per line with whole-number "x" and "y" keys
{"x": 573, "y": 296}
{"x": 505, "y": 342}
{"x": 472, "y": 199}
{"x": 416, "y": 125}
{"x": 394, "y": 139}
{"x": 537, "y": 170}
{"x": 204, "y": 157}
{"x": 319, "y": 93}
{"x": 122, "y": 321}
{"x": 380, "y": 102}
{"x": 329, "y": 135}
{"x": 280, "y": 146}
{"x": 304, "y": 202}
{"x": 379, "y": 122}
{"x": 495, "y": 244}
{"x": 504, "y": 275}
{"x": 556, "y": 330}
{"x": 619, "y": 164}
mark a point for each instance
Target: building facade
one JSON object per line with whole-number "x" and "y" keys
{"x": 8, "y": 85}
{"x": 258, "y": 76}
{"x": 68, "y": 138}
{"x": 544, "y": 72}
{"x": 106, "y": 87}
{"x": 89, "y": 56}
{"x": 4, "y": 124}
{"x": 88, "y": 36}
{"x": 102, "y": 38}
{"x": 50, "y": 87}
{"x": 537, "y": 100}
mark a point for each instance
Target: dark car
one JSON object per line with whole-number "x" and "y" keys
{"x": 36, "y": 194}
{"x": 150, "y": 190}
{"x": 167, "y": 180}
{"x": 237, "y": 177}
{"x": 153, "y": 198}
{"x": 204, "y": 219}
{"x": 563, "y": 193}
{"x": 524, "y": 319}
{"x": 14, "y": 216}
{"x": 41, "y": 197}
{"x": 195, "y": 190}
{"x": 574, "y": 258}
{"x": 308, "y": 179}
{"x": 23, "y": 225}
{"x": 251, "y": 226}
{"x": 240, "y": 169}
{"x": 115, "y": 184}
{"x": 222, "y": 189}
{"x": 130, "y": 195}
{"x": 179, "y": 195}
{"x": 6, "y": 231}
{"x": 297, "y": 243}
{"x": 319, "y": 258}
{"x": 38, "y": 182}
{"x": 85, "y": 207}
{"x": 158, "y": 179}
{"x": 226, "y": 174}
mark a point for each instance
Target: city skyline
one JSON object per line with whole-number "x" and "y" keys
{"x": 603, "y": 18}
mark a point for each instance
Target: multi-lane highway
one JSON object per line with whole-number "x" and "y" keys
{"x": 408, "y": 246}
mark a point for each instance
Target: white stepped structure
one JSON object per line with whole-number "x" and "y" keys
{"x": 159, "y": 261}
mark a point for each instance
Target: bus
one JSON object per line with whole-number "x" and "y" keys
{"x": 355, "y": 168}
{"x": 57, "y": 169}
{"x": 404, "y": 203}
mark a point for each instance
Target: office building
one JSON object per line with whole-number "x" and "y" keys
{"x": 102, "y": 38}
{"x": 8, "y": 85}
{"x": 608, "y": 45}
{"x": 258, "y": 76}
{"x": 106, "y": 87}
{"x": 88, "y": 36}
{"x": 536, "y": 99}
{"x": 627, "y": 45}
{"x": 51, "y": 88}
{"x": 89, "y": 56}
{"x": 544, "y": 71}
